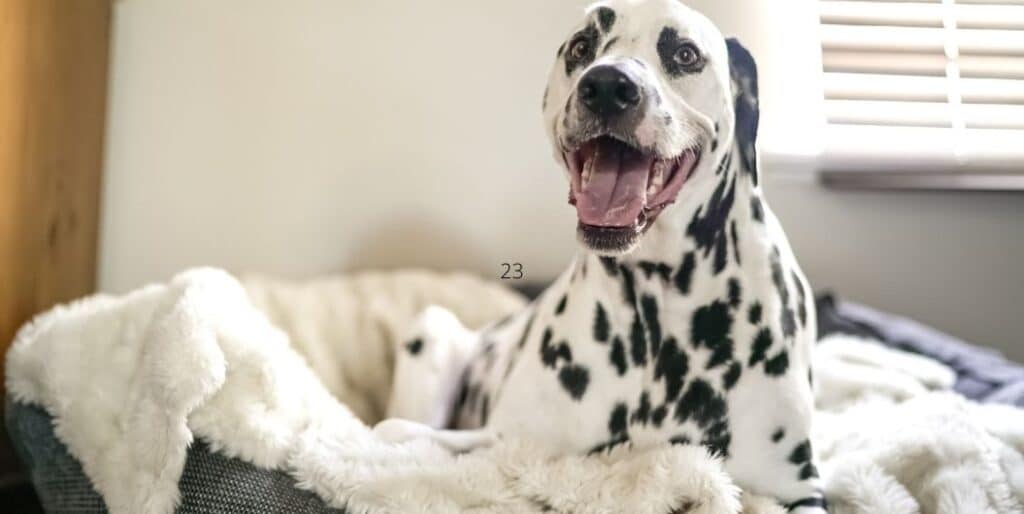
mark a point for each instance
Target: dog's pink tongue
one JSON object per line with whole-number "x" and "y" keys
{"x": 616, "y": 191}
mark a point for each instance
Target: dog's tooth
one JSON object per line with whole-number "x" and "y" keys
{"x": 657, "y": 177}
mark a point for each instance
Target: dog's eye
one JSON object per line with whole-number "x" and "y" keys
{"x": 687, "y": 55}
{"x": 579, "y": 49}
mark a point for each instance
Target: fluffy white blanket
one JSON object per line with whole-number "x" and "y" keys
{"x": 258, "y": 370}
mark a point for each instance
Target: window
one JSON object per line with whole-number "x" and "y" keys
{"x": 934, "y": 86}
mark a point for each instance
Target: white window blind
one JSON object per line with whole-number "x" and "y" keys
{"x": 924, "y": 85}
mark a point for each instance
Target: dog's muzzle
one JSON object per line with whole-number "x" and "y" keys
{"x": 618, "y": 187}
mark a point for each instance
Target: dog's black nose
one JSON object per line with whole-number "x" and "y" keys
{"x": 606, "y": 91}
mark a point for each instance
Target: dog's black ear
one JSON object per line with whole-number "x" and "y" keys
{"x": 744, "y": 83}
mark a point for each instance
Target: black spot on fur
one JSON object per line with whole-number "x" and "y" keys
{"x": 759, "y": 350}
{"x": 685, "y": 273}
{"x": 414, "y": 346}
{"x": 708, "y": 226}
{"x": 617, "y": 356}
{"x": 756, "y": 209}
{"x": 720, "y": 354}
{"x": 735, "y": 243}
{"x": 617, "y": 420}
{"x": 606, "y": 18}
{"x": 628, "y": 286}
{"x": 672, "y": 365}
{"x": 544, "y": 100}
{"x": 607, "y": 446}
{"x": 777, "y": 365}
{"x": 648, "y": 268}
{"x": 610, "y": 265}
{"x": 778, "y": 434}
{"x": 560, "y": 308}
{"x": 660, "y": 268}
{"x": 801, "y": 453}
{"x": 808, "y": 471}
{"x": 637, "y": 342}
{"x": 717, "y": 439}
{"x": 574, "y": 379}
{"x": 563, "y": 351}
{"x": 711, "y": 327}
{"x": 600, "y": 324}
{"x": 550, "y": 354}
{"x": 732, "y": 375}
{"x": 735, "y": 293}
{"x": 643, "y": 411}
{"x": 649, "y": 306}
{"x": 724, "y": 164}
{"x": 701, "y": 404}
{"x": 786, "y": 316}
{"x": 754, "y": 314}
{"x": 658, "y": 415}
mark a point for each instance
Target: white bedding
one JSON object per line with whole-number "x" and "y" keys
{"x": 257, "y": 371}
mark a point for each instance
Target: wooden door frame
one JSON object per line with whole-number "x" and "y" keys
{"x": 54, "y": 58}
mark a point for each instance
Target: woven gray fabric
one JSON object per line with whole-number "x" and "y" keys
{"x": 58, "y": 478}
{"x": 210, "y": 483}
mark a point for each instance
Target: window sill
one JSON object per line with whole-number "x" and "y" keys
{"x": 893, "y": 181}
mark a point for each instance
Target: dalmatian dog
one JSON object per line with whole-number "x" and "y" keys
{"x": 684, "y": 317}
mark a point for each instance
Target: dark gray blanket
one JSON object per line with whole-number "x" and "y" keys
{"x": 982, "y": 374}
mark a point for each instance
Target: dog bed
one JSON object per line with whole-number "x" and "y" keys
{"x": 199, "y": 396}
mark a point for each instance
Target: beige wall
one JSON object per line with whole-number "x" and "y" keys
{"x": 310, "y": 136}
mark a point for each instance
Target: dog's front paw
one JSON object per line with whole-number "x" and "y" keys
{"x": 398, "y": 431}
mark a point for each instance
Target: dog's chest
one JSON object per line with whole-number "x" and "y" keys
{"x": 645, "y": 351}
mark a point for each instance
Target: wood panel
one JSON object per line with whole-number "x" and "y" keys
{"x": 53, "y": 83}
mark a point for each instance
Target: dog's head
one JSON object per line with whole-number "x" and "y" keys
{"x": 642, "y": 100}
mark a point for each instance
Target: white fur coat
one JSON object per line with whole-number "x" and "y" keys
{"x": 285, "y": 375}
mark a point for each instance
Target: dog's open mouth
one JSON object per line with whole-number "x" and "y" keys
{"x": 618, "y": 190}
